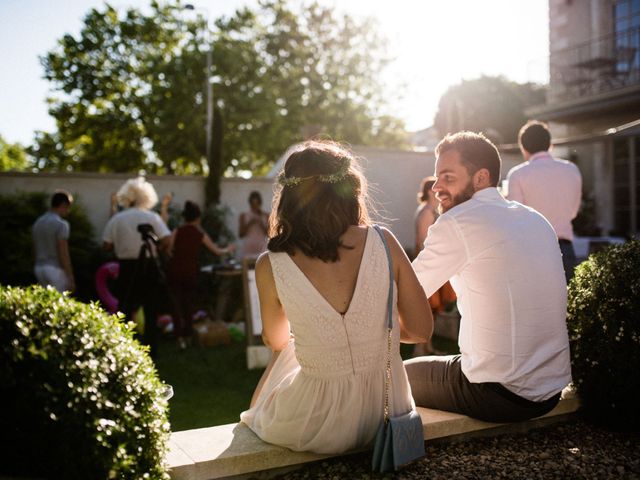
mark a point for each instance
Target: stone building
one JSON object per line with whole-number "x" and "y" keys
{"x": 593, "y": 104}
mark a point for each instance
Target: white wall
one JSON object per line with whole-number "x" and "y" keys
{"x": 394, "y": 179}
{"x": 93, "y": 190}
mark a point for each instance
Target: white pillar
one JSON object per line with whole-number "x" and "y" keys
{"x": 603, "y": 184}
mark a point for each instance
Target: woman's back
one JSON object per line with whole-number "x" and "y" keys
{"x": 331, "y": 377}
{"x": 184, "y": 261}
{"x": 336, "y": 281}
{"x": 323, "y": 289}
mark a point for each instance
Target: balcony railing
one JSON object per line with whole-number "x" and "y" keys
{"x": 602, "y": 65}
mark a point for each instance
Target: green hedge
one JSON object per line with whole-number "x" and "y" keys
{"x": 604, "y": 331}
{"x": 80, "y": 398}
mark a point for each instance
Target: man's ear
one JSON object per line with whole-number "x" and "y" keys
{"x": 481, "y": 179}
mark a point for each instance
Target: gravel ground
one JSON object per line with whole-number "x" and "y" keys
{"x": 576, "y": 450}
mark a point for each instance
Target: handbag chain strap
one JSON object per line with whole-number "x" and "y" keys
{"x": 387, "y": 378}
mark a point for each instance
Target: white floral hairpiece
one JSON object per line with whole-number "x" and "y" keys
{"x": 335, "y": 177}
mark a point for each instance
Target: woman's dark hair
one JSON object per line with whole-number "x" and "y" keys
{"x": 321, "y": 193}
{"x": 191, "y": 211}
{"x": 425, "y": 187}
{"x": 255, "y": 196}
{"x": 534, "y": 137}
{"x": 476, "y": 152}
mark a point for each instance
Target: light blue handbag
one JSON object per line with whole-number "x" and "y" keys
{"x": 400, "y": 439}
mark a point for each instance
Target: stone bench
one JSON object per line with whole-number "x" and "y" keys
{"x": 234, "y": 450}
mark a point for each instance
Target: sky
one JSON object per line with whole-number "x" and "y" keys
{"x": 434, "y": 44}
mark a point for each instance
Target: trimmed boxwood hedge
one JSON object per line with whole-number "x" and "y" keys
{"x": 604, "y": 331}
{"x": 81, "y": 399}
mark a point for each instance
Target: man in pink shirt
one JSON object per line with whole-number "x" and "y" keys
{"x": 551, "y": 186}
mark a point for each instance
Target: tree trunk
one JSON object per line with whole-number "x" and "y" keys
{"x": 212, "y": 187}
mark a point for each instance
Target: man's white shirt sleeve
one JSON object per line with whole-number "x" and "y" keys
{"x": 578, "y": 196}
{"x": 160, "y": 227}
{"x": 514, "y": 192}
{"x": 443, "y": 256}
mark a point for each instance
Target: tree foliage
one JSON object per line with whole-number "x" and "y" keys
{"x": 105, "y": 78}
{"x": 493, "y": 105}
{"x": 132, "y": 88}
{"x": 12, "y": 156}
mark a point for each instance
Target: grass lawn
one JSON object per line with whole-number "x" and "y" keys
{"x": 212, "y": 385}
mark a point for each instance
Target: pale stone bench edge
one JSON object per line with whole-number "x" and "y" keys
{"x": 193, "y": 454}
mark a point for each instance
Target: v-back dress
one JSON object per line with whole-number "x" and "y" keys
{"x": 325, "y": 392}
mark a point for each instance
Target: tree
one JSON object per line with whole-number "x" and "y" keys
{"x": 493, "y": 105}
{"x": 12, "y": 156}
{"x": 134, "y": 96}
{"x": 104, "y": 77}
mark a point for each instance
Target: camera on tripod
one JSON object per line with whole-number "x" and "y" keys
{"x": 147, "y": 233}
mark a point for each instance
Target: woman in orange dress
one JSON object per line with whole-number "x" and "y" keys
{"x": 425, "y": 216}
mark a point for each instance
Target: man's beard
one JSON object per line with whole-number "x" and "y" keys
{"x": 462, "y": 197}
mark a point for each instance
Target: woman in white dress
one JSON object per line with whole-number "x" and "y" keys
{"x": 323, "y": 288}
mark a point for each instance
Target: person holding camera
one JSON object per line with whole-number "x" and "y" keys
{"x": 137, "y": 235}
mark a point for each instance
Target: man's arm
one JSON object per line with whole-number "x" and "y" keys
{"x": 578, "y": 197}
{"x": 162, "y": 231}
{"x": 443, "y": 256}
{"x": 514, "y": 189}
{"x": 165, "y": 244}
{"x": 65, "y": 261}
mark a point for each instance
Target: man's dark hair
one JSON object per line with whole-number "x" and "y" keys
{"x": 191, "y": 211}
{"x": 61, "y": 197}
{"x": 535, "y": 137}
{"x": 476, "y": 152}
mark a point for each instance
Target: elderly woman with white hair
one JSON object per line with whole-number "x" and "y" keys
{"x": 138, "y": 279}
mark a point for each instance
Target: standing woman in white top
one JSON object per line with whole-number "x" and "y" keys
{"x": 138, "y": 279}
{"x": 323, "y": 289}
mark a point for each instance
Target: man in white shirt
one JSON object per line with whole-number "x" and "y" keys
{"x": 504, "y": 263}
{"x": 552, "y": 187}
{"x": 139, "y": 279}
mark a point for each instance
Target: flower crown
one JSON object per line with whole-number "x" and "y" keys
{"x": 335, "y": 177}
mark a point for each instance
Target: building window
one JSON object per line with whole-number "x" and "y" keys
{"x": 626, "y": 15}
{"x": 626, "y": 186}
